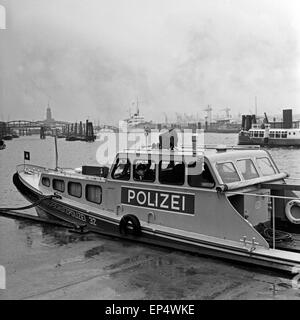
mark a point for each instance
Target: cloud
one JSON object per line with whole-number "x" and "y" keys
{"x": 93, "y": 58}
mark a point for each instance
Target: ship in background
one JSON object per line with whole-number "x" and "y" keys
{"x": 274, "y": 134}
{"x": 216, "y": 124}
{"x": 136, "y": 120}
{"x": 221, "y": 124}
{"x": 226, "y": 125}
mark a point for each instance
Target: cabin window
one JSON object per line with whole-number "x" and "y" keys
{"x": 256, "y": 134}
{"x": 93, "y": 193}
{"x": 265, "y": 166}
{"x": 271, "y": 134}
{"x": 277, "y": 134}
{"x": 121, "y": 170}
{"x": 144, "y": 170}
{"x": 284, "y": 134}
{"x": 75, "y": 189}
{"x": 201, "y": 179}
{"x": 247, "y": 169}
{"x": 261, "y": 134}
{"x": 58, "y": 185}
{"x": 227, "y": 172}
{"x": 46, "y": 182}
{"x": 171, "y": 172}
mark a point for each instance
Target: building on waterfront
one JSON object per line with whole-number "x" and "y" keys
{"x": 3, "y": 129}
{"x": 49, "y": 118}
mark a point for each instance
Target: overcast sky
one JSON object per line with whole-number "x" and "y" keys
{"x": 94, "y": 57}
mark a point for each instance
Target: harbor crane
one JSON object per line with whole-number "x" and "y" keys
{"x": 227, "y": 112}
{"x": 209, "y": 113}
{"x": 166, "y": 117}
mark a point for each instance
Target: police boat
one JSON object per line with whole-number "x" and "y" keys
{"x": 229, "y": 202}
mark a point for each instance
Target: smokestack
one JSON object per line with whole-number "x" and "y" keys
{"x": 243, "y": 122}
{"x": 248, "y": 122}
{"x": 287, "y": 119}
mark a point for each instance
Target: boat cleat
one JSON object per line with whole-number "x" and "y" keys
{"x": 246, "y": 243}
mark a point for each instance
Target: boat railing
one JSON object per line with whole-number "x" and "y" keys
{"x": 30, "y": 168}
{"x": 261, "y": 195}
{"x": 232, "y": 147}
{"x": 199, "y": 148}
{"x": 293, "y": 178}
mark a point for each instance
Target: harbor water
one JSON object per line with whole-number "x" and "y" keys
{"x": 47, "y": 262}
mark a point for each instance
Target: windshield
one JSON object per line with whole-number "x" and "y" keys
{"x": 247, "y": 169}
{"x": 265, "y": 166}
{"x": 228, "y": 172}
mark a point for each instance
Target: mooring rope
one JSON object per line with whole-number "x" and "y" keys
{"x": 36, "y": 203}
{"x": 268, "y": 234}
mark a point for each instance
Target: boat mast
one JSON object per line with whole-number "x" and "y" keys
{"x": 256, "y": 106}
{"x": 56, "y": 153}
{"x": 137, "y": 106}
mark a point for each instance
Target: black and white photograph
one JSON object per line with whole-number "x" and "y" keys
{"x": 149, "y": 152}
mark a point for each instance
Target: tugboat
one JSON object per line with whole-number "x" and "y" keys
{"x": 227, "y": 202}
{"x": 2, "y": 145}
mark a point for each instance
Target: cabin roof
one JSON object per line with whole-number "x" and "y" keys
{"x": 213, "y": 155}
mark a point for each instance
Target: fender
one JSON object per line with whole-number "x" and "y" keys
{"x": 288, "y": 211}
{"x": 130, "y": 225}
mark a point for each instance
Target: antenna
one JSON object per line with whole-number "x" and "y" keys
{"x": 256, "y": 105}
{"x": 129, "y": 111}
{"x": 137, "y": 106}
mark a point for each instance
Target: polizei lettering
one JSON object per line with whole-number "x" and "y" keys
{"x": 161, "y": 200}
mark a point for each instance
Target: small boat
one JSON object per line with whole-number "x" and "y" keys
{"x": 72, "y": 138}
{"x": 227, "y": 202}
{"x": 81, "y": 138}
{"x": 265, "y": 136}
{"x": 2, "y": 145}
{"x": 7, "y": 137}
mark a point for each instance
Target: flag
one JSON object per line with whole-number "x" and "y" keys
{"x": 26, "y": 155}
